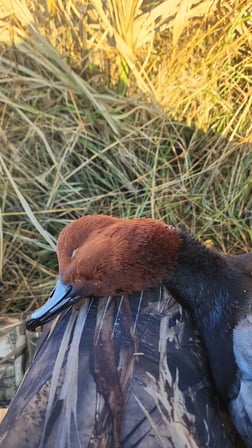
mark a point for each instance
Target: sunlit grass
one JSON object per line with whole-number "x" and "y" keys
{"x": 106, "y": 110}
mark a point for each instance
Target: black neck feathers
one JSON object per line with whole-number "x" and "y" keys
{"x": 205, "y": 285}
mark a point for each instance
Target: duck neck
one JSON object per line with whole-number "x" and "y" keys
{"x": 201, "y": 282}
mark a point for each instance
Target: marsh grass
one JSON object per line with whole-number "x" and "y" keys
{"x": 143, "y": 111}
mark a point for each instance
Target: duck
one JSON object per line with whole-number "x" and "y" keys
{"x": 146, "y": 343}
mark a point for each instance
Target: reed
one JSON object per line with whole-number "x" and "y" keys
{"x": 137, "y": 111}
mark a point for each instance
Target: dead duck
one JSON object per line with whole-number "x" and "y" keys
{"x": 104, "y": 256}
{"x": 216, "y": 288}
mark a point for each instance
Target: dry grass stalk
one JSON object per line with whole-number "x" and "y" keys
{"x": 72, "y": 144}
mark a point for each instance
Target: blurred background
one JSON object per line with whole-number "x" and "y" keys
{"x": 137, "y": 108}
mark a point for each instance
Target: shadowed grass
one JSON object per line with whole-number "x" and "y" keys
{"x": 175, "y": 146}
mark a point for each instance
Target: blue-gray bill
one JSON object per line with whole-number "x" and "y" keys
{"x": 62, "y": 297}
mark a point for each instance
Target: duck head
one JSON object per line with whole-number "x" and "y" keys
{"x": 106, "y": 256}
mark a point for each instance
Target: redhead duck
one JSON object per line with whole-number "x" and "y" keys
{"x": 104, "y": 256}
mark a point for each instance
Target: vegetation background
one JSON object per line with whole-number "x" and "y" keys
{"x": 135, "y": 108}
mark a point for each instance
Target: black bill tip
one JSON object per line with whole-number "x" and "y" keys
{"x": 62, "y": 297}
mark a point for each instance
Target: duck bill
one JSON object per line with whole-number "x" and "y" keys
{"x": 62, "y": 296}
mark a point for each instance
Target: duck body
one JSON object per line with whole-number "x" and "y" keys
{"x": 104, "y": 256}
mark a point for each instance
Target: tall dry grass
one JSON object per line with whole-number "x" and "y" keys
{"x": 142, "y": 110}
